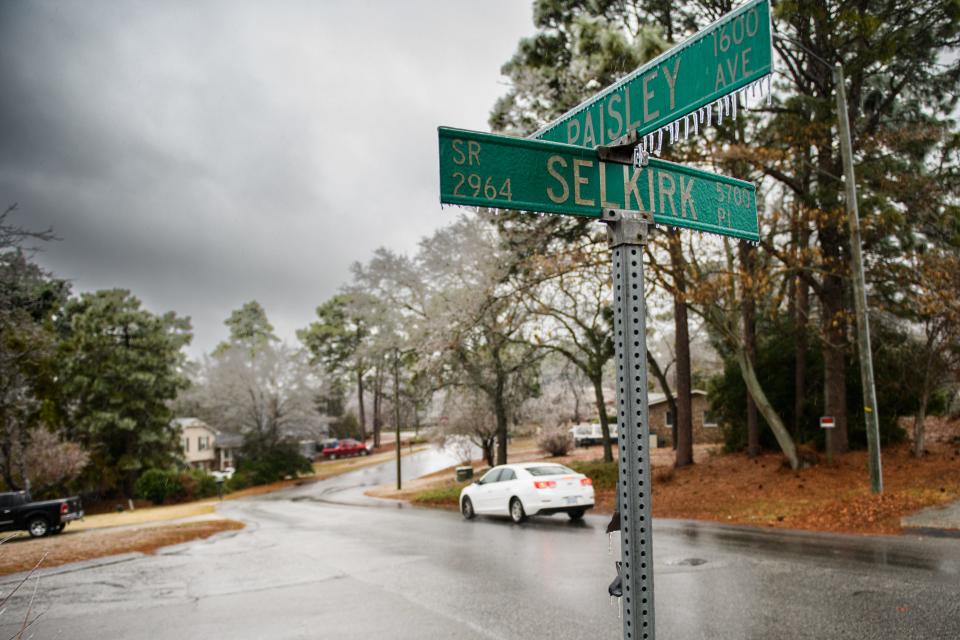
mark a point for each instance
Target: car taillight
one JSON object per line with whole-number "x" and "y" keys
{"x": 544, "y": 484}
{"x": 64, "y": 507}
{"x": 586, "y": 482}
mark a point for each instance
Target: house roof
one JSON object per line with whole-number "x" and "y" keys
{"x": 660, "y": 398}
{"x": 183, "y": 423}
{"x": 226, "y": 440}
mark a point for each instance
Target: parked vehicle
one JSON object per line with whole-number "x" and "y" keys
{"x": 528, "y": 489}
{"x": 18, "y": 512}
{"x": 585, "y": 435}
{"x": 345, "y": 447}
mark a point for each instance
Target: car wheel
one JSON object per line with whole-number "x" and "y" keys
{"x": 576, "y": 514}
{"x": 467, "y": 509}
{"x": 517, "y": 513}
{"x": 333, "y": 456}
{"x": 365, "y": 452}
{"x": 38, "y": 527}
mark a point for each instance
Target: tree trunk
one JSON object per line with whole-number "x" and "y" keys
{"x": 800, "y": 355}
{"x": 750, "y": 343}
{"x": 671, "y": 401}
{"x": 501, "y": 412}
{"x": 684, "y": 415}
{"x": 377, "y": 405}
{"x": 765, "y": 408}
{"x": 834, "y": 364}
{"x": 488, "y": 451}
{"x": 920, "y": 419}
{"x": 362, "y": 411}
{"x": 602, "y": 413}
{"x": 918, "y": 426}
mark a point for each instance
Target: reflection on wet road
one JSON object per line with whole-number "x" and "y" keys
{"x": 312, "y": 564}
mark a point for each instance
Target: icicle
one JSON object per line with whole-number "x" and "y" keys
{"x": 719, "y": 112}
{"x": 746, "y": 98}
{"x": 659, "y": 141}
{"x": 619, "y": 608}
{"x": 710, "y": 113}
{"x": 610, "y": 543}
{"x": 727, "y": 100}
{"x": 696, "y": 125}
{"x": 670, "y": 127}
{"x": 686, "y": 135}
{"x": 733, "y": 102}
{"x": 676, "y": 124}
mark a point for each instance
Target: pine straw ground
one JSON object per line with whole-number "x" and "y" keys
{"x": 763, "y": 492}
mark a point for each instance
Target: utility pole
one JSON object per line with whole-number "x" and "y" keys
{"x": 859, "y": 289}
{"x": 396, "y": 407}
{"x": 871, "y": 418}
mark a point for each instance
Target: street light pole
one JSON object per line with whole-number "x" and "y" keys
{"x": 859, "y": 289}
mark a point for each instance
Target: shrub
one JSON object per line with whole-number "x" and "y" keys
{"x": 266, "y": 462}
{"x": 238, "y": 481}
{"x": 347, "y": 426}
{"x": 556, "y": 441}
{"x": 603, "y": 474}
{"x": 157, "y": 485}
{"x": 197, "y": 484}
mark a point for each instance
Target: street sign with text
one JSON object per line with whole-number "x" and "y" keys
{"x": 730, "y": 54}
{"x": 487, "y": 170}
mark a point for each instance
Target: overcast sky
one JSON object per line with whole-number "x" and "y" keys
{"x": 207, "y": 153}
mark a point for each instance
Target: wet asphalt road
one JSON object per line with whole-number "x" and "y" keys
{"x": 322, "y": 561}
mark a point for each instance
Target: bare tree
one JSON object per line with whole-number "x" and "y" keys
{"x": 270, "y": 393}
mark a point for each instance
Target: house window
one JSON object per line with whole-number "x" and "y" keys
{"x": 186, "y": 445}
{"x": 709, "y": 420}
{"x": 203, "y": 443}
{"x": 669, "y": 418}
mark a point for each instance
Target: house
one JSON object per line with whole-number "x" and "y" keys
{"x": 706, "y": 430}
{"x": 206, "y": 448}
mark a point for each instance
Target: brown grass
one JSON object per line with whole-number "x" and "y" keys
{"x": 21, "y": 554}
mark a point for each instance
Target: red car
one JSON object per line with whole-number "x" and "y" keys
{"x": 343, "y": 448}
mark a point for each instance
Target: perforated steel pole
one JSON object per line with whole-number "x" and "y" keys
{"x": 628, "y": 234}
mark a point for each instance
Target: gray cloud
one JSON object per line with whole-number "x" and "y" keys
{"x": 207, "y": 153}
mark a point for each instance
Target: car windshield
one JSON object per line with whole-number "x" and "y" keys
{"x": 549, "y": 470}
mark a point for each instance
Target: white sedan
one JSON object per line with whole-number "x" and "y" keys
{"x": 528, "y": 489}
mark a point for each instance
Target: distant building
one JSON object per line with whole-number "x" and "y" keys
{"x": 705, "y": 426}
{"x": 206, "y": 448}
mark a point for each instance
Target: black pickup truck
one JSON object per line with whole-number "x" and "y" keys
{"x": 19, "y": 513}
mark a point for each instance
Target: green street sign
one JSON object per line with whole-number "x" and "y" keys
{"x": 486, "y": 170}
{"x": 732, "y": 53}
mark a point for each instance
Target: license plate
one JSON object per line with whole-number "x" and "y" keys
{"x": 571, "y": 499}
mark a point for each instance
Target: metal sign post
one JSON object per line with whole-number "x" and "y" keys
{"x": 628, "y": 234}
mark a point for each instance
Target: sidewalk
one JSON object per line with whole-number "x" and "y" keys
{"x": 941, "y": 521}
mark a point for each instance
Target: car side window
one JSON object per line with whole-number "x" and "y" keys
{"x": 492, "y": 476}
{"x": 507, "y": 474}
